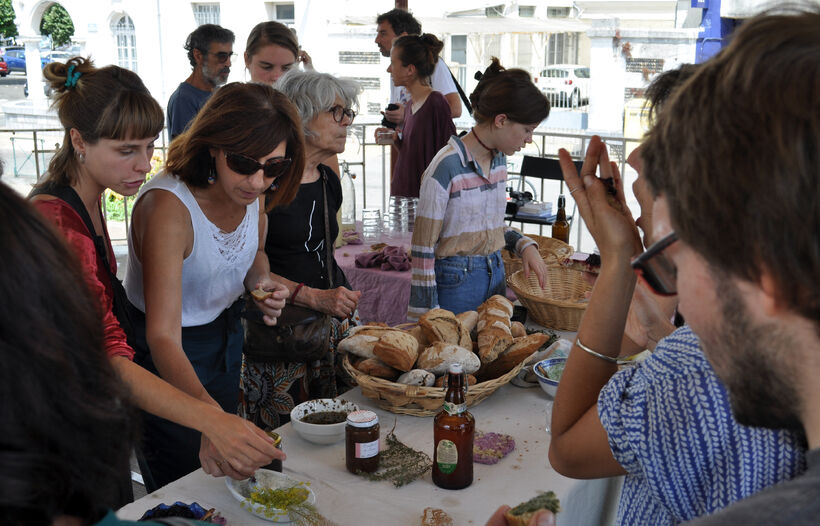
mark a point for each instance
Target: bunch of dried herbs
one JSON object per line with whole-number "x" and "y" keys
{"x": 291, "y": 501}
{"x": 399, "y": 463}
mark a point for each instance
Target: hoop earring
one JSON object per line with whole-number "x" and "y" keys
{"x": 212, "y": 172}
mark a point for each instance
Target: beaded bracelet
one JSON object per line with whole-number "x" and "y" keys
{"x": 295, "y": 292}
{"x": 609, "y": 359}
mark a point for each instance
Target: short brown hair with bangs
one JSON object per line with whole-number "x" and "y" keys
{"x": 105, "y": 103}
{"x": 735, "y": 152}
{"x": 251, "y": 119}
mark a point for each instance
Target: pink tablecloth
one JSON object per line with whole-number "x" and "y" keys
{"x": 385, "y": 294}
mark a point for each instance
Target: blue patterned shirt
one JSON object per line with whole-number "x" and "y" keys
{"x": 670, "y": 426}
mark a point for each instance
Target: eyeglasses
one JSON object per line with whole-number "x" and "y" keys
{"x": 222, "y": 56}
{"x": 339, "y": 113}
{"x": 656, "y": 269}
{"x": 272, "y": 169}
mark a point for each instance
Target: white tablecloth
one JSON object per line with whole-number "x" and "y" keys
{"x": 350, "y": 500}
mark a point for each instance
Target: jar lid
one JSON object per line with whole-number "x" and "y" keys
{"x": 277, "y": 438}
{"x": 362, "y": 418}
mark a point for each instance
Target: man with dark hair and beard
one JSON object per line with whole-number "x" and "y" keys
{"x": 734, "y": 162}
{"x": 210, "y": 48}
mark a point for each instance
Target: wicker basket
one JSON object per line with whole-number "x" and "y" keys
{"x": 552, "y": 250}
{"x": 421, "y": 401}
{"x": 561, "y": 304}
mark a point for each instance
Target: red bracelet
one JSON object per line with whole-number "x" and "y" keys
{"x": 295, "y": 292}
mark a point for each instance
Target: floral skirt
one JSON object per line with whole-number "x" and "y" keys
{"x": 269, "y": 391}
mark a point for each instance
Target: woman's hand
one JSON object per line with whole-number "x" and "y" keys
{"x": 397, "y": 115}
{"x": 542, "y": 518}
{"x": 649, "y": 317}
{"x": 607, "y": 217}
{"x": 385, "y": 136}
{"x": 272, "y": 307}
{"x": 533, "y": 262}
{"x": 234, "y": 447}
{"x": 339, "y": 302}
{"x": 305, "y": 59}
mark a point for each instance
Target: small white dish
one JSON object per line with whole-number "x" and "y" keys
{"x": 241, "y": 491}
{"x": 541, "y": 368}
{"x": 321, "y": 433}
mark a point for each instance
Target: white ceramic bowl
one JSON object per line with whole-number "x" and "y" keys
{"x": 241, "y": 490}
{"x": 540, "y": 369}
{"x": 320, "y": 433}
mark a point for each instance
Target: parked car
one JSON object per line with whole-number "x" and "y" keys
{"x": 15, "y": 57}
{"x": 565, "y": 85}
{"x": 59, "y": 56}
{"x": 4, "y": 68}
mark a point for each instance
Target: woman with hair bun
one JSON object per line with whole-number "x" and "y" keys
{"x": 459, "y": 230}
{"x": 111, "y": 122}
{"x": 271, "y": 51}
{"x": 428, "y": 122}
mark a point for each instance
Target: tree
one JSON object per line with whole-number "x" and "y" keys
{"x": 7, "y": 26}
{"x": 57, "y": 23}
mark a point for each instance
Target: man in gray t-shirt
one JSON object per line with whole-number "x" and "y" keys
{"x": 734, "y": 161}
{"x": 210, "y": 48}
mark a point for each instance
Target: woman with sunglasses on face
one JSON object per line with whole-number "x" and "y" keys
{"x": 428, "y": 122}
{"x": 197, "y": 244}
{"x": 460, "y": 230}
{"x": 111, "y": 147}
{"x": 666, "y": 423}
{"x": 297, "y": 252}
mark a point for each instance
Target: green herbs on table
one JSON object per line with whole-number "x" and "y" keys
{"x": 400, "y": 464}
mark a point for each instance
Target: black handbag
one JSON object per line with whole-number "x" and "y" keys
{"x": 120, "y": 299}
{"x": 301, "y": 334}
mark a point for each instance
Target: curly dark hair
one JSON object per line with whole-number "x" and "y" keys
{"x": 401, "y": 21}
{"x": 67, "y": 424}
{"x": 201, "y": 38}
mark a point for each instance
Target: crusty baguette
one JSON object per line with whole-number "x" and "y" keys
{"x": 520, "y": 349}
{"x": 517, "y": 329}
{"x": 398, "y": 349}
{"x": 492, "y": 341}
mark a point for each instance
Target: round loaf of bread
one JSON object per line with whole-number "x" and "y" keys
{"x": 438, "y": 357}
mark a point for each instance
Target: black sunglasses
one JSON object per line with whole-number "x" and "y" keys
{"x": 656, "y": 269}
{"x": 339, "y": 113}
{"x": 273, "y": 168}
{"x": 222, "y": 56}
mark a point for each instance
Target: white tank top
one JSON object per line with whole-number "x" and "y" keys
{"x": 213, "y": 273}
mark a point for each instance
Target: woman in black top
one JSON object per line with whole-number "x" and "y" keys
{"x": 295, "y": 244}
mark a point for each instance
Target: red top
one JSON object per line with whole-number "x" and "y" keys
{"x": 424, "y": 133}
{"x": 71, "y": 225}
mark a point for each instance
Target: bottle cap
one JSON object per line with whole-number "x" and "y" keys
{"x": 456, "y": 368}
{"x": 362, "y": 418}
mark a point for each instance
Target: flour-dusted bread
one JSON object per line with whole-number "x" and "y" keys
{"x": 489, "y": 320}
{"x": 398, "y": 349}
{"x": 496, "y": 306}
{"x": 493, "y": 327}
{"x": 468, "y": 319}
{"x": 417, "y": 377}
{"x": 438, "y": 357}
{"x": 471, "y": 380}
{"x": 377, "y": 368}
{"x": 520, "y": 349}
{"x": 362, "y": 339}
{"x": 440, "y": 325}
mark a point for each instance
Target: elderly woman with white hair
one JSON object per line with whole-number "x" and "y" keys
{"x": 296, "y": 247}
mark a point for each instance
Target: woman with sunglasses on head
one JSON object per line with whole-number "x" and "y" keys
{"x": 459, "y": 230}
{"x": 298, "y": 253}
{"x": 665, "y": 423}
{"x": 197, "y": 244}
{"x": 112, "y": 147}
{"x": 428, "y": 122}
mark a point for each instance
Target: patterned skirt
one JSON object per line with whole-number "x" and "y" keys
{"x": 269, "y": 391}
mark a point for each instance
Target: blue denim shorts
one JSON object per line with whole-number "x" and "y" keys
{"x": 465, "y": 282}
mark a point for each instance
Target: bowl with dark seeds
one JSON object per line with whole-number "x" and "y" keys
{"x": 322, "y": 421}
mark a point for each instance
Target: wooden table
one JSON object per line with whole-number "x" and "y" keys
{"x": 351, "y": 500}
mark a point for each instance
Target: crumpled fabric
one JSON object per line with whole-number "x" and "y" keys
{"x": 388, "y": 258}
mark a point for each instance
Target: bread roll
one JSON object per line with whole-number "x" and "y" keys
{"x": 471, "y": 380}
{"x": 377, "y": 368}
{"x": 398, "y": 349}
{"x": 420, "y": 337}
{"x": 468, "y": 319}
{"x": 362, "y": 339}
{"x": 440, "y": 325}
{"x": 417, "y": 377}
{"x": 438, "y": 357}
{"x": 517, "y": 329}
{"x": 520, "y": 349}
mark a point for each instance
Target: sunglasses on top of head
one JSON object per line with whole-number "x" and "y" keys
{"x": 656, "y": 269}
{"x": 273, "y": 168}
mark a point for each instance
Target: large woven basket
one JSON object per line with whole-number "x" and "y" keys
{"x": 561, "y": 304}
{"x": 421, "y": 401}
{"x": 551, "y": 250}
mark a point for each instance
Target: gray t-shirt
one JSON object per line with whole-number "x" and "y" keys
{"x": 183, "y": 106}
{"x": 792, "y": 503}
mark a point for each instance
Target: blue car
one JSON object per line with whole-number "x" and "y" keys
{"x": 16, "y": 59}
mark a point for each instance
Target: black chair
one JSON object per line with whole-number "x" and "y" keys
{"x": 542, "y": 168}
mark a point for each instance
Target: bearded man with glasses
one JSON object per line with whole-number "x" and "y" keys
{"x": 210, "y": 49}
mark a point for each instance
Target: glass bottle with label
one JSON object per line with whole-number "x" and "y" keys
{"x": 362, "y": 442}
{"x": 560, "y": 228}
{"x": 453, "y": 431}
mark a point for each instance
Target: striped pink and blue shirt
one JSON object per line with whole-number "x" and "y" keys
{"x": 460, "y": 213}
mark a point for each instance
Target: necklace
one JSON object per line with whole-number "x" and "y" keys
{"x": 480, "y": 142}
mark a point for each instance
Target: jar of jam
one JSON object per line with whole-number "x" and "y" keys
{"x": 362, "y": 442}
{"x": 276, "y": 465}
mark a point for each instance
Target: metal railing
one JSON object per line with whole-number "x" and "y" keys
{"x": 369, "y": 161}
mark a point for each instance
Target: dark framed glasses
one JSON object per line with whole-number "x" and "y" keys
{"x": 273, "y": 168}
{"x": 339, "y": 113}
{"x": 222, "y": 56}
{"x": 656, "y": 269}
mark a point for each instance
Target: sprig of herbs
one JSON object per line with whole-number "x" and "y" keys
{"x": 400, "y": 464}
